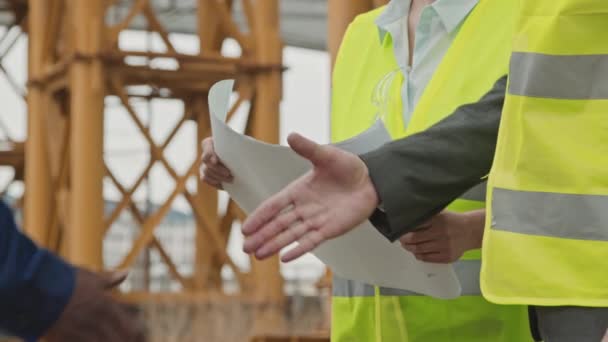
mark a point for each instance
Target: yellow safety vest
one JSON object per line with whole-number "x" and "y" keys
{"x": 476, "y": 59}
{"x": 546, "y": 238}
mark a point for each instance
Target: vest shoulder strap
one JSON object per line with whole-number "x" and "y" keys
{"x": 362, "y": 62}
{"x": 476, "y": 59}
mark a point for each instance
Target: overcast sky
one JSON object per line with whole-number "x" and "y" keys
{"x": 304, "y": 109}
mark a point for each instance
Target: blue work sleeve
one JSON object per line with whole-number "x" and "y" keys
{"x": 35, "y": 285}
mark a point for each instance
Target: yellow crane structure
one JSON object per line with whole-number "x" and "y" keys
{"x": 75, "y": 62}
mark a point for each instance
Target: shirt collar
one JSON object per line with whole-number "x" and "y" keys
{"x": 451, "y": 13}
{"x": 390, "y": 16}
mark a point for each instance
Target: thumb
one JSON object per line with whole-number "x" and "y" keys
{"x": 306, "y": 148}
{"x": 112, "y": 279}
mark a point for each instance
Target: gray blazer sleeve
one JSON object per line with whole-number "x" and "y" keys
{"x": 418, "y": 176}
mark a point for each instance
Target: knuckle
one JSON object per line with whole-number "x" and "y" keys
{"x": 408, "y": 238}
{"x": 266, "y": 234}
{"x": 298, "y": 213}
{"x": 274, "y": 205}
{"x": 262, "y": 236}
{"x": 316, "y": 238}
{"x": 273, "y": 246}
{"x": 306, "y": 226}
{"x": 292, "y": 235}
{"x": 305, "y": 244}
{"x": 316, "y": 223}
{"x": 287, "y": 219}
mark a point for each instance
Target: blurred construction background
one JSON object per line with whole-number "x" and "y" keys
{"x": 103, "y": 107}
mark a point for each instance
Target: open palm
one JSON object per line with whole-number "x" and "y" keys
{"x": 326, "y": 202}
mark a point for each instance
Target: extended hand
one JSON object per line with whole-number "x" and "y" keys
{"x": 92, "y": 315}
{"x": 446, "y": 237}
{"x": 326, "y": 202}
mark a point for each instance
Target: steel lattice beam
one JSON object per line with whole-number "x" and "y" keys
{"x": 73, "y": 71}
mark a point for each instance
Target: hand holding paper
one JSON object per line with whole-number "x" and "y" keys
{"x": 334, "y": 197}
{"x": 446, "y": 237}
{"x": 213, "y": 171}
{"x": 321, "y": 197}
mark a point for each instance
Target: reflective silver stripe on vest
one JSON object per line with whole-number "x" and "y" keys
{"x": 476, "y": 193}
{"x": 466, "y": 270}
{"x": 578, "y": 77}
{"x": 568, "y": 216}
{"x": 349, "y": 288}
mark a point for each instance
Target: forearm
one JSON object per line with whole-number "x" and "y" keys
{"x": 35, "y": 285}
{"x": 419, "y": 176}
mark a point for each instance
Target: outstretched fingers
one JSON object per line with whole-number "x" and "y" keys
{"x": 284, "y": 239}
{"x": 292, "y": 214}
{"x": 271, "y": 229}
{"x": 286, "y": 228}
{"x": 307, "y": 243}
{"x": 267, "y": 212}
